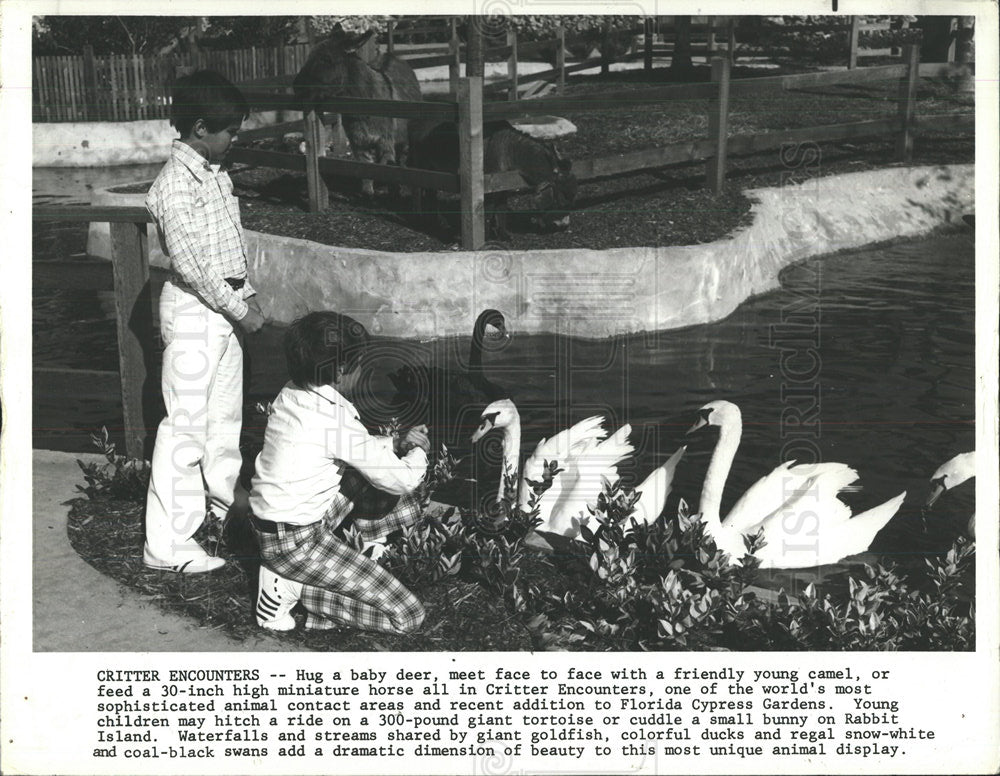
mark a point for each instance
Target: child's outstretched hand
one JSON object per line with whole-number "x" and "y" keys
{"x": 416, "y": 437}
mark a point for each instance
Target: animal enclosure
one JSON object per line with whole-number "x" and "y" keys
{"x": 471, "y": 110}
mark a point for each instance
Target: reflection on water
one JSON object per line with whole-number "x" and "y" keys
{"x": 873, "y": 351}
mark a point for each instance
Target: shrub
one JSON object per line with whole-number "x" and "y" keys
{"x": 663, "y": 586}
{"x": 323, "y": 25}
{"x": 120, "y": 478}
{"x": 667, "y": 586}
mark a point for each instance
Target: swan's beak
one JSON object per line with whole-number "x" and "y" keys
{"x": 483, "y": 429}
{"x": 487, "y": 422}
{"x": 703, "y": 414}
{"x": 939, "y": 488}
{"x": 700, "y": 423}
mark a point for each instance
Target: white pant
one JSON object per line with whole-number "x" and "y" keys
{"x": 197, "y": 443}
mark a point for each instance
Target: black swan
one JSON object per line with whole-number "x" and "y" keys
{"x": 440, "y": 397}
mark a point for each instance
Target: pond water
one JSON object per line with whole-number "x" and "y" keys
{"x": 876, "y": 346}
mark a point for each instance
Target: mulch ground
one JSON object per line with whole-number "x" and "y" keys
{"x": 670, "y": 206}
{"x": 462, "y": 615}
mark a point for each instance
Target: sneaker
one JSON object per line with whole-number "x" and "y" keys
{"x": 190, "y": 560}
{"x": 275, "y": 598}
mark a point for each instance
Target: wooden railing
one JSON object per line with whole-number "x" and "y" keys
{"x": 129, "y": 277}
{"x": 125, "y": 88}
{"x": 470, "y": 111}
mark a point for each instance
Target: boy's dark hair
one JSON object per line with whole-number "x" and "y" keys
{"x": 317, "y": 343}
{"x": 206, "y": 95}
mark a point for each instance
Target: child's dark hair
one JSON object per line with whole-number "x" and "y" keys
{"x": 206, "y": 95}
{"x": 317, "y": 343}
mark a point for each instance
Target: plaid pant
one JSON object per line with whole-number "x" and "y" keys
{"x": 341, "y": 586}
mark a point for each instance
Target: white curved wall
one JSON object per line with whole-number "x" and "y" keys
{"x": 600, "y": 293}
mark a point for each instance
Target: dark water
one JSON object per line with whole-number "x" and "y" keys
{"x": 874, "y": 349}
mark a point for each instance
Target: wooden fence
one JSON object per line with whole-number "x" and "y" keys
{"x": 128, "y": 88}
{"x": 470, "y": 111}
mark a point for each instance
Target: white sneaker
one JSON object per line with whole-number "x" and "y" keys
{"x": 190, "y": 559}
{"x": 276, "y": 596}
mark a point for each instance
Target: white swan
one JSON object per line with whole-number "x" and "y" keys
{"x": 654, "y": 490}
{"x": 950, "y": 475}
{"x": 583, "y": 453}
{"x": 804, "y": 523}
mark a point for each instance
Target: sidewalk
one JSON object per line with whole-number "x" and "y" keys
{"x": 78, "y": 609}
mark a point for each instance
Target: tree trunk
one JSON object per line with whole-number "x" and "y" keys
{"x": 194, "y": 33}
{"x": 937, "y": 38}
{"x": 681, "y": 61}
{"x": 965, "y": 52}
{"x": 966, "y": 34}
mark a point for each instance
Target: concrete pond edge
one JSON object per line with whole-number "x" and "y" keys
{"x": 593, "y": 293}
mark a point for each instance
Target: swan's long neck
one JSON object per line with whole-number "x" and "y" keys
{"x": 476, "y": 348}
{"x": 718, "y": 471}
{"x": 511, "y": 454}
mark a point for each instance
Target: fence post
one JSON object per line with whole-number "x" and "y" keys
{"x": 718, "y": 125}
{"x": 561, "y": 59}
{"x": 390, "y": 45}
{"x": 319, "y": 197}
{"x": 731, "y": 39}
{"x": 90, "y": 111}
{"x": 134, "y": 319}
{"x": 470, "y": 161}
{"x": 710, "y": 40}
{"x": 512, "y": 64}
{"x": 647, "y": 44}
{"x": 852, "y": 42}
{"x": 907, "y": 102}
{"x": 455, "y": 52}
{"x": 605, "y": 45}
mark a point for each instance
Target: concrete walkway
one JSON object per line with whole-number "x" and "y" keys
{"x": 78, "y": 609}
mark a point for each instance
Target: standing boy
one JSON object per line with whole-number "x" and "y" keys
{"x": 206, "y": 298}
{"x": 313, "y": 434}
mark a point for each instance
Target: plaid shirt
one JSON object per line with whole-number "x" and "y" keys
{"x": 310, "y": 435}
{"x": 198, "y": 221}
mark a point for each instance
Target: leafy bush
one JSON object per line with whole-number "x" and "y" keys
{"x": 883, "y": 612}
{"x": 663, "y": 586}
{"x": 667, "y": 586}
{"x": 764, "y": 35}
{"x": 323, "y": 25}
{"x": 120, "y": 478}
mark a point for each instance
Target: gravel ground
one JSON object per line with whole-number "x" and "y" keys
{"x": 664, "y": 207}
